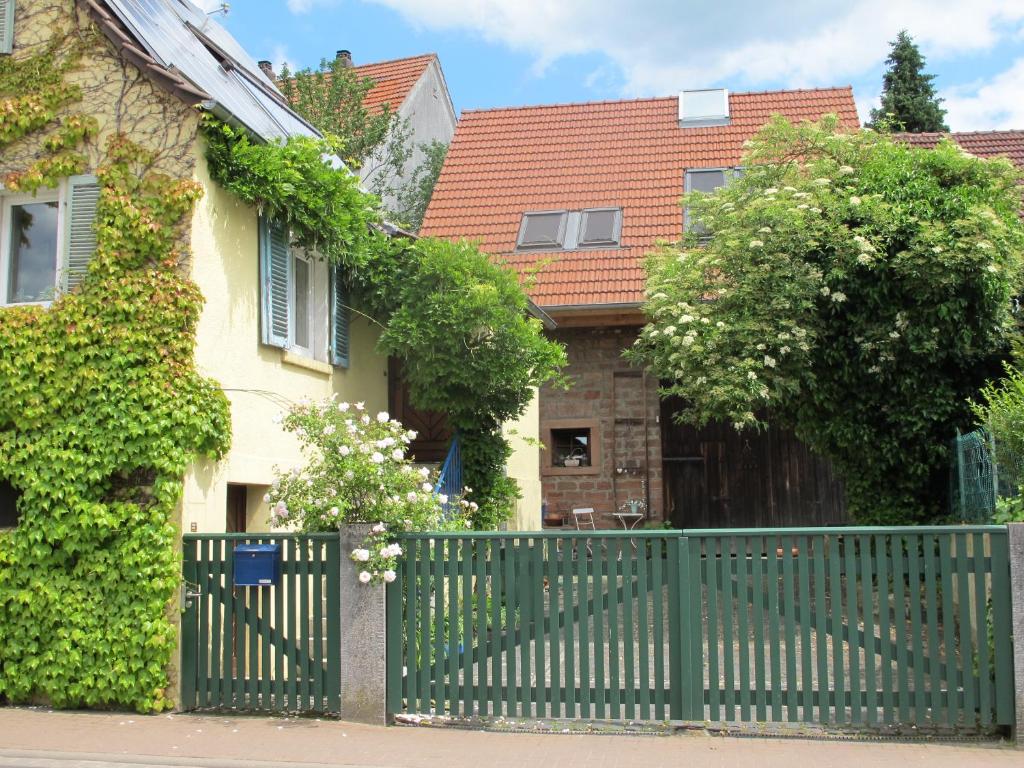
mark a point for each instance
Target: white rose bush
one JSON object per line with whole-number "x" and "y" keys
{"x": 358, "y": 471}
{"x": 849, "y": 286}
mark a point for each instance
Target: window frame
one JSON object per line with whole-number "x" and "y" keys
{"x": 562, "y": 227}
{"x": 615, "y": 242}
{"x": 9, "y": 201}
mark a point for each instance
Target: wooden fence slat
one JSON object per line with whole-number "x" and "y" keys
{"x": 868, "y": 642}
{"x": 981, "y": 625}
{"x": 537, "y": 590}
{"x": 965, "y": 643}
{"x": 583, "y": 592}
{"x": 611, "y": 590}
{"x": 743, "y": 607}
{"x": 835, "y": 589}
{"x": 599, "y": 590}
{"x": 790, "y": 608}
{"x": 774, "y": 628}
{"x": 453, "y": 644}
{"x": 853, "y": 622}
{"x": 819, "y": 544}
{"x": 726, "y": 567}
{"x": 711, "y": 627}
{"x": 949, "y": 666}
{"x": 217, "y": 633}
{"x": 883, "y": 554}
{"x": 659, "y": 633}
{"x": 1001, "y": 628}
{"x": 759, "y": 607}
{"x": 803, "y": 564}
{"x": 555, "y": 614}
{"x": 480, "y": 644}
{"x": 934, "y": 654}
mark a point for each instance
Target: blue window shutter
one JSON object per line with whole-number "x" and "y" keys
{"x": 79, "y": 244}
{"x": 6, "y": 26}
{"x": 275, "y": 266}
{"x": 339, "y": 319}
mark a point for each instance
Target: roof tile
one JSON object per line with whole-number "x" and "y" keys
{"x": 393, "y": 79}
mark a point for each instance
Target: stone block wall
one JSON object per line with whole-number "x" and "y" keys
{"x": 623, "y": 403}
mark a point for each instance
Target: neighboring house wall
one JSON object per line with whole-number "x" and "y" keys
{"x": 620, "y": 405}
{"x": 260, "y": 381}
{"x": 431, "y": 116}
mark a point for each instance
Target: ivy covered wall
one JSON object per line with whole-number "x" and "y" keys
{"x": 102, "y": 408}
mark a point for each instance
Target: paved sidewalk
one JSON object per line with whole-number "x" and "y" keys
{"x": 39, "y": 738}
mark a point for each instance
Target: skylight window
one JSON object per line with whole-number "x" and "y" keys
{"x": 704, "y": 108}
{"x": 544, "y": 229}
{"x": 600, "y": 227}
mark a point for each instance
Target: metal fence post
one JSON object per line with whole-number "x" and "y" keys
{"x": 1015, "y": 533}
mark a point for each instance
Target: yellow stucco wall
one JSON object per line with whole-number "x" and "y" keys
{"x": 524, "y": 466}
{"x": 256, "y": 378}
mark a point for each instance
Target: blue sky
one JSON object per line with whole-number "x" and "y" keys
{"x": 513, "y": 52}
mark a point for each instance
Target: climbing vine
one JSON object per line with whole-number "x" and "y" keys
{"x": 102, "y": 412}
{"x": 457, "y": 321}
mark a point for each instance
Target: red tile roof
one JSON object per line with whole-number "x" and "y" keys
{"x": 393, "y": 79}
{"x": 981, "y": 143}
{"x": 632, "y": 154}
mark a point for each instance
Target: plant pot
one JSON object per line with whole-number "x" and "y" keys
{"x": 552, "y": 520}
{"x": 571, "y": 462}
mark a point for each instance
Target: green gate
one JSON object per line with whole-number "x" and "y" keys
{"x": 848, "y": 626}
{"x": 273, "y": 648}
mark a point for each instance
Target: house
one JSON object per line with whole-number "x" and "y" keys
{"x": 272, "y": 330}
{"x": 573, "y": 196}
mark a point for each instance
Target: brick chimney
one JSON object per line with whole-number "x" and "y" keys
{"x": 345, "y": 57}
{"x": 268, "y": 69}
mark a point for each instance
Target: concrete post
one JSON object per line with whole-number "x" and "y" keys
{"x": 363, "y": 638}
{"x": 1016, "y": 541}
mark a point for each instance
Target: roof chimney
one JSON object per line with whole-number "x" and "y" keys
{"x": 267, "y": 68}
{"x": 345, "y": 57}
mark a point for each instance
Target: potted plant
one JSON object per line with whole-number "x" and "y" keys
{"x": 574, "y": 459}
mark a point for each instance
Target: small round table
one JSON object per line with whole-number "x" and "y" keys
{"x": 629, "y": 520}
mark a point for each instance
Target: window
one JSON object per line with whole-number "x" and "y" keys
{"x": 6, "y": 26}
{"x": 46, "y": 240}
{"x": 9, "y": 496}
{"x": 698, "y": 109}
{"x": 600, "y": 227}
{"x": 703, "y": 180}
{"x": 303, "y": 302}
{"x": 572, "y": 447}
{"x": 570, "y": 230}
{"x": 544, "y": 229}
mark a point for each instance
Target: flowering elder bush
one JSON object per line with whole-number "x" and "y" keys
{"x": 358, "y": 471}
{"x": 853, "y": 287}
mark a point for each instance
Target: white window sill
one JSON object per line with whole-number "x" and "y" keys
{"x": 302, "y": 361}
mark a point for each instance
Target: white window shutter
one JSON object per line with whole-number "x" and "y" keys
{"x": 6, "y": 26}
{"x": 79, "y": 247}
{"x": 275, "y": 268}
{"x": 339, "y": 319}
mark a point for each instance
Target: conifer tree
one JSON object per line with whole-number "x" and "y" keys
{"x": 909, "y": 102}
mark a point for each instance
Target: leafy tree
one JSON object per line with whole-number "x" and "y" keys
{"x": 414, "y": 197}
{"x": 332, "y": 99}
{"x": 375, "y": 142}
{"x": 854, "y": 288}
{"x": 909, "y": 102}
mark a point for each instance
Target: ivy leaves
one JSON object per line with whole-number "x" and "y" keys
{"x": 102, "y": 413}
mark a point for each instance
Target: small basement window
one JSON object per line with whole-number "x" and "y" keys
{"x": 600, "y": 227}
{"x": 9, "y": 496}
{"x": 542, "y": 230}
{"x": 571, "y": 447}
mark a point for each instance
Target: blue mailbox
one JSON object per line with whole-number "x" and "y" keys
{"x": 257, "y": 565}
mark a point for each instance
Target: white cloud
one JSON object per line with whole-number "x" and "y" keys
{"x": 998, "y": 103}
{"x": 661, "y": 46}
{"x": 280, "y": 58}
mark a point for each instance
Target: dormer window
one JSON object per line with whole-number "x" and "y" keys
{"x": 699, "y": 109}
{"x": 542, "y": 230}
{"x": 570, "y": 230}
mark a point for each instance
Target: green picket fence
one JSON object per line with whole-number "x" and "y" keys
{"x": 274, "y": 648}
{"x": 850, "y": 626}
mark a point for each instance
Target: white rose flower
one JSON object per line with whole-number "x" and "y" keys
{"x": 426, "y": 487}
{"x": 389, "y": 576}
{"x": 443, "y": 498}
{"x": 398, "y": 454}
{"x": 359, "y": 405}
{"x": 424, "y": 472}
{"x": 343, "y": 407}
{"x": 378, "y": 528}
{"x": 266, "y": 498}
{"x": 361, "y": 555}
{"x": 344, "y": 450}
{"x": 365, "y": 419}
{"x": 364, "y": 576}
{"x": 411, "y": 496}
{"x": 383, "y": 417}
